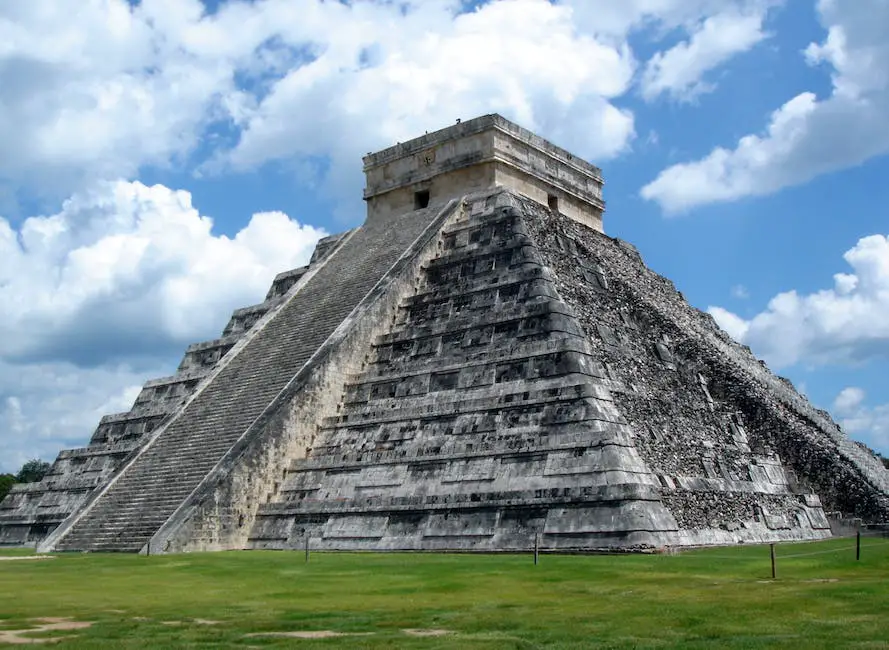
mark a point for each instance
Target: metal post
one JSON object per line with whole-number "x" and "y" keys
{"x": 307, "y": 549}
{"x": 772, "y": 552}
{"x": 536, "y": 547}
{"x": 858, "y": 544}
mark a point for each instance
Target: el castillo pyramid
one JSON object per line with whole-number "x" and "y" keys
{"x": 476, "y": 366}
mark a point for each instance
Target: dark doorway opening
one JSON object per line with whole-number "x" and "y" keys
{"x": 421, "y": 199}
{"x": 553, "y": 202}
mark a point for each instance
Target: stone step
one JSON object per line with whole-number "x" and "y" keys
{"x": 168, "y": 471}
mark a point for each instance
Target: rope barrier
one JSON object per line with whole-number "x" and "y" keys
{"x": 781, "y": 556}
{"x": 872, "y": 544}
{"x": 810, "y": 553}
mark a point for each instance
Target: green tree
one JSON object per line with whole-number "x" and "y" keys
{"x": 6, "y": 482}
{"x": 32, "y": 471}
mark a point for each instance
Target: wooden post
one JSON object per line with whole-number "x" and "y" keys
{"x": 772, "y": 552}
{"x": 536, "y": 547}
{"x": 858, "y": 544}
{"x": 307, "y": 548}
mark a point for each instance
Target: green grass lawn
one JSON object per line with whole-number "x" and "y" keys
{"x": 716, "y": 597}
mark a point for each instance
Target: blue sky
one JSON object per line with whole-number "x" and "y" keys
{"x": 166, "y": 158}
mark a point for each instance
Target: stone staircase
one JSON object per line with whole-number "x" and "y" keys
{"x": 147, "y": 492}
{"x": 478, "y": 413}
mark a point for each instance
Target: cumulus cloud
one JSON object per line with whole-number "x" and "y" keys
{"x": 366, "y": 89}
{"x": 612, "y": 21}
{"x": 116, "y": 86}
{"x": 132, "y": 270}
{"x": 847, "y": 323}
{"x": 97, "y": 92}
{"x": 807, "y": 136}
{"x": 103, "y": 91}
{"x": 680, "y": 70}
{"x": 107, "y": 292}
{"x": 45, "y": 407}
{"x": 869, "y": 424}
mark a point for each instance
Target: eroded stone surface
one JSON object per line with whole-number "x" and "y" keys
{"x": 526, "y": 388}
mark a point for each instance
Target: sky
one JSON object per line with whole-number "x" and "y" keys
{"x": 164, "y": 159}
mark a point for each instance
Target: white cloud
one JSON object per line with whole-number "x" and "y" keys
{"x": 97, "y": 92}
{"x": 848, "y": 323}
{"x": 129, "y": 269}
{"x": 107, "y": 293}
{"x": 807, "y": 136}
{"x": 868, "y": 424}
{"x": 848, "y": 400}
{"x": 524, "y": 58}
{"x": 740, "y": 292}
{"x": 45, "y": 407}
{"x": 735, "y": 325}
{"x": 612, "y": 21}
{"x": 680, "y": 70}
{"x": 111, "y": 88}
{"x": 100, "y": 92}
{"x": 105, "y": 91}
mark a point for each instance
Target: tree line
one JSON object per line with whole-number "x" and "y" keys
{"x": 32, "y": 471}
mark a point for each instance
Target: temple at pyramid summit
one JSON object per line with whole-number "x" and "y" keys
{"x": 476, "y": 367}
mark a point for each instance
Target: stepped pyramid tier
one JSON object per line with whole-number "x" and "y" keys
{"x": 478, "y": 366}
{"x": 33, "y": 510}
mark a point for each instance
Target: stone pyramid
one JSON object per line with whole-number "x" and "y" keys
{"x": 476, "y": 367}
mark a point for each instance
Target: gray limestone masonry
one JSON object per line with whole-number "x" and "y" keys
{"x": 476, "y": 367}
{"x": 32, "y": 511}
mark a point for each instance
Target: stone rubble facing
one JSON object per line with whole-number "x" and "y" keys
{"x": 477, "y": 422}
{"x": 704, "y": 409}
{"x": 519, "y": 393}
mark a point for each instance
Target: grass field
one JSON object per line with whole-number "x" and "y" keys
{"x": 722, "y": 597}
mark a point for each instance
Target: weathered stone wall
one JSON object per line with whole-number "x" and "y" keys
{"x": 705, "y": 411}
{"x": 441, "y": 188}
{"x": 480, "y": 154}
{"x": 479, "y": 422}
{"x": 540, "y": 192}
{"x": 221, "y": 513}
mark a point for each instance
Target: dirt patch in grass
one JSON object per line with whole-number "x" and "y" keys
{"x": 16, "y": 637}
{"x": 309, "y": 634}
{"x": 431, "y": 632}
{"x": 15, "y": 558}
{"x": 194, "y": 621}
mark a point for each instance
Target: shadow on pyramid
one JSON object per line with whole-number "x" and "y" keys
{"x": 477, "y": 367}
